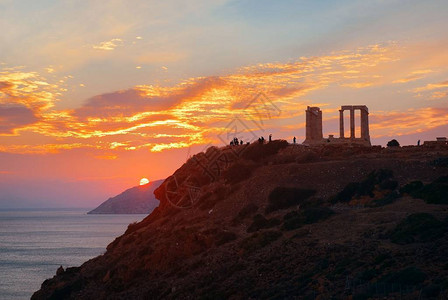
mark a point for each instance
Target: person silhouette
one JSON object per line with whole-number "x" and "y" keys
{"x": 270, "y": 138}
{"x": 418, "y": 143}
{"x": 294, "y": 140}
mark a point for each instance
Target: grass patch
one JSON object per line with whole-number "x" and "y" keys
{"x": 413, "y": 188}
{"x": 434, "y": 193}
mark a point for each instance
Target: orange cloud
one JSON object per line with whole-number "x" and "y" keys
{"x": 24, "y": 99}
{"x": 197, "y": 110}
{"x": 415, "y": 75}
{"x": 107, "y": 156}
{"x": 396, "y": 123}
{"x": 439, "y": 95}
{"x": 431, "y": 86}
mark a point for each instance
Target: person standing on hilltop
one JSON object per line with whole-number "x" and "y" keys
{"x": 294, "y": 140}
{"x": 270, "y": 138}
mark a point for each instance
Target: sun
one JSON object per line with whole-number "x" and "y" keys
{"x": 144, "y": 181}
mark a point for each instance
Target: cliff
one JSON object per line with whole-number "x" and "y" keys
{"x": 278, "y": 221}
{"x": 136, "y": 200}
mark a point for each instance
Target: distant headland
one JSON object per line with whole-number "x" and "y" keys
{"x": 137, "y": 200}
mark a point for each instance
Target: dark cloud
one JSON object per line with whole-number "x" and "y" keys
{"x": 15, "y": 116}
{"x": 5, "y": 85}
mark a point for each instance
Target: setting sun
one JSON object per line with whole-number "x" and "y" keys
{"x": 144, "y": 181}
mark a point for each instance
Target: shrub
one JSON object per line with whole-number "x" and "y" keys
{"x": 283, "y": 197}
{"x": 368, "y": 274}
{"x": 436, "y": 192}
{"x": 381, "y": 175}
{"x": 347, "y": 193}
{"x": 407, "y": 276}
{"x": 293, "y": 220}
{"x": 412, "y": 188}
{"x": 417, "y": 227}
{"x": 366, "y": 187}
{"x": 431, "y": 291}
{"x": 393, "y": 143}
{"x": 389, "y": 184}
{"x": 259, "y": 240}
{"x": 260, "y": 222}
{"x": 387, "y": 199}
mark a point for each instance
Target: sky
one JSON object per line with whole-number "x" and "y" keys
{"x": 95, "y": 95}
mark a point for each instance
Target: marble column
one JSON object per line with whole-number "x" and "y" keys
{"x": 365, "y": 124}
{"x": 341, "y": 123}
{"x": 352, "y": 123}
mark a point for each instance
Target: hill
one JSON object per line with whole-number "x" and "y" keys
{"x": 137, "y": 200}
{"x": 279, "y": 221}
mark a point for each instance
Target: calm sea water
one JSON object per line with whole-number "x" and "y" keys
{"x": 33, "y": 244}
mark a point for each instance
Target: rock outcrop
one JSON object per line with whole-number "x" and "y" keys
{"x": 278, "y": 221}
{"x": 137, "y": 200}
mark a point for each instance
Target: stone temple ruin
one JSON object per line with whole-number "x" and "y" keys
{"x": 314, "y": 134}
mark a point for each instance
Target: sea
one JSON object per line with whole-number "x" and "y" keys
{"x": 34, "y": 243}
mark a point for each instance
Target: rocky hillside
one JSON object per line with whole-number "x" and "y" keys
{"x": 137, "y": 200}
{"x": 277, "y": 221}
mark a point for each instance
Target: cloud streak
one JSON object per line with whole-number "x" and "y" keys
{"x": 108, "y": 45}
{"x": 196, "y": 110}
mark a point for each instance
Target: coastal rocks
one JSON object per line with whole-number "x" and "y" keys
{"x": 59, "y": 271}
